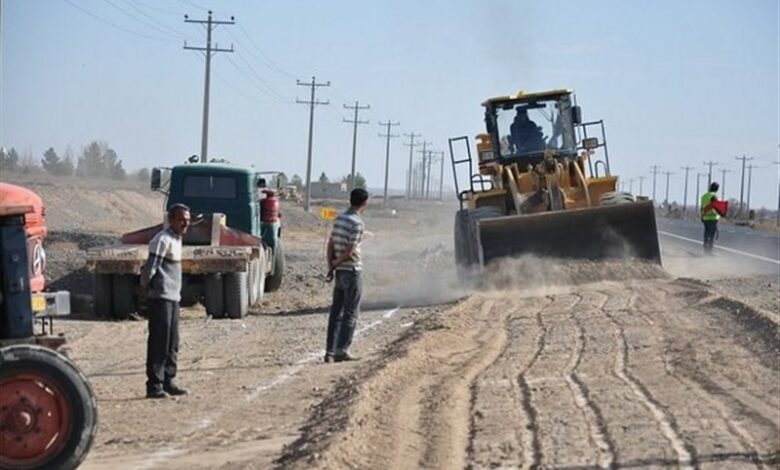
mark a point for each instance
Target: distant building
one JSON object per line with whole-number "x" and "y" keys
{"x": 329, "y": 190}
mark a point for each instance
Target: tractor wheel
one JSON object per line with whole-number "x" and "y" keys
{"x": 213, "y": 296}
{"x": 613, "y": 198}
{"x": 123, "y": 286}
{"x": 47, "y": 407}
{"x": 236, "y": 294}
{"x": 274, "y": 281}
{"x": 102, "y": 292}
{"x": 256, "y": 282}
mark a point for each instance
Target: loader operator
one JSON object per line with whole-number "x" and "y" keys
{"x": 710, "y": 216}
{"x": 161, "y": 278}
{"x": 524, "y": 134}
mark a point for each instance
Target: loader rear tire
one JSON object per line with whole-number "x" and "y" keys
{"x": 213, "y": 295}
{"x": 124, "y": 297}
{"x": 614, "y": 198}
{"x": 236, "y": 294}
{"x": 462, "y": 251}
{"x": 101, "y": 295}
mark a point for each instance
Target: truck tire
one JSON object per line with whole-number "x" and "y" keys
{"x": 65, "y": 421}
{"x": 613, "y": 198}
{"x": 123, "y": 286}
{"x": 190, "y": 291}
{"x": 213, "y": 295}
{"x": 102, "y": 292}
{"x": 274, "y": 281}
{"x": 256, "y": 282}
{"x": 236, "y": 294}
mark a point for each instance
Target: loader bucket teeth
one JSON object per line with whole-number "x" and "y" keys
{"x": 619, "y": 231}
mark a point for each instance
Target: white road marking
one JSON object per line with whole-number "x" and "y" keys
{"x": 724, "y": 248}
{"x": 167, "y": 453}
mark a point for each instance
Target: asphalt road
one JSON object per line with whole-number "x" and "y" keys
{"x": 741, "y": 250}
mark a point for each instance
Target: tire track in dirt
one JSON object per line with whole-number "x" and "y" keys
{"x": 686, "y": 455}
{"x": 599, "y": 434}
{"x": 498, "y": 421}
{"x": 414, "y": 410}
{"x": 691, "y": 369}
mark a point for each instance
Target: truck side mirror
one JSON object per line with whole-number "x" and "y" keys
{"x": 156, "y": 179}
{"x": 576, "y": 115}
{"x": 261, "y": 183}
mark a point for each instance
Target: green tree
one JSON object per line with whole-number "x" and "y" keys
{"x": 114, "y": 165}
{"x": 360, "y": 181}
{"x": 296, "y": 180}
{"x": 324, "y": 178}
{"x": 9, "y": 159}
{"x": 91, "y": 162}
{"x": 51, "y": 162}
{"x": 66, "y": 165}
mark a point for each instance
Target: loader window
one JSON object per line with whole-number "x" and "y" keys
{"x": 532, "y": 128}
{"x": 209, "y": 187}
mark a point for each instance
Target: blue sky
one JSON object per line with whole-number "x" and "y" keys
{"x": 677, "y": 82}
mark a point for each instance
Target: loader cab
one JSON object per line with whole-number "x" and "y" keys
{"x": 525, "y": 126}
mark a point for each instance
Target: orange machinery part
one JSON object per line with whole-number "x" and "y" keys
{"x": 12, "y": 196}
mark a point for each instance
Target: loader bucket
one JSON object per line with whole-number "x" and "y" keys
{"x": 619, "y": 231}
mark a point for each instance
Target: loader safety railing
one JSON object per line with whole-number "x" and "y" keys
{"x": 593, "y": 167}
{"x": 475, "y": 179}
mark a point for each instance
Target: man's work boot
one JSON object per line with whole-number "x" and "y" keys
{"x": 345, "y": 357}
{"x": 174, "y": 390}
{"x": 156, "y": 393}
{"x": 329, "y": 359}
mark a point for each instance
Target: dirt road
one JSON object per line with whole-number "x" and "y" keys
{"x": 611, "y": 366}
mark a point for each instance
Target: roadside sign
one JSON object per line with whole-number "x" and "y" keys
{"x": 328, "y": 213}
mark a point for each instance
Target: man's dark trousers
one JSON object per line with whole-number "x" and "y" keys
{"x": 163, "y": 344}
{"x": 344, "y": 311}
{"x": 710, "y": 229}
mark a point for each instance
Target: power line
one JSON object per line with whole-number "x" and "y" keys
{"x": 209, "y": 51}
{"x": 357, "y": 108}
{"x": 175, "y": 32}
{"x": 267, "y": 60}
{"x": 312, "y": 103}
{"x": 145, "y": 23}
{"x": 389, "y": 136}
{"x": 114, "y": 25}
{"x": 273, "y": 92}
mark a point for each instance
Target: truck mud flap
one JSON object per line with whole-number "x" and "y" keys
{"x": 621, "y": 231}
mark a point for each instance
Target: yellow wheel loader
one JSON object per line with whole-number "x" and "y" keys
{"x": 544, "y": 187}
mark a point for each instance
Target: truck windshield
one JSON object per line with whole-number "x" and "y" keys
{"x": 209, "y": 187}
{"x": 529, "y": 128}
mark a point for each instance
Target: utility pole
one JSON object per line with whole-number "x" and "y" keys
{"x": 777, "y": 214}
{"x": 389, "y": 136}
{"x": 641, "y": 181}
{"x": 441, "y": 177}
{"x": 424, "y": 152}
{"x": 631, "y": 186}
{"x": 685, "y": 191}
{"x": 742, "y": 185}
{"x": 655, "y": 173}
{"x": 710, "y": 164}
{"x": 666, "y": 199}
{"x": 312, "y": 103}
{"x": 723, "y": 172}
{"x": 750, "y": 178}
{"x": 428, "y": 185}
{"x": 411, "y": 146}
{"x": 208, "y": 51}
{"x": 355, "y": 123}
{"x": 698, "y": 190}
